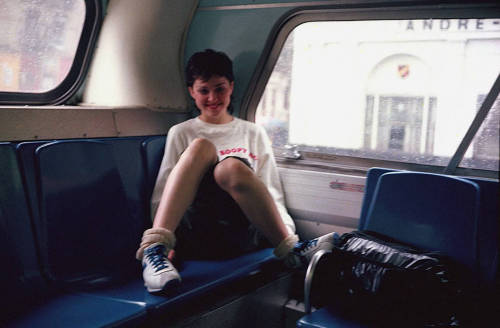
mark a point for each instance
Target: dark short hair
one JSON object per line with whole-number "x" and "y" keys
{"x": 205, "y": 64}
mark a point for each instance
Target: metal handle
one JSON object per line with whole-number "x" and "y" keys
{"x": 309, "y": 278}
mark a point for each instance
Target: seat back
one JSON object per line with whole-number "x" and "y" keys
{"x": 371, "y": 182}
{"x": 84, "y": 217}
{"x": 152, "y": 150}
{"x": 430, "y": 211}
{"x": 488, "y": 225}
{"x": 20, "y": 277}
{"x": 26, "y": 155}
{"x": 152, "y": 153}
{"x": 488, "y": 228}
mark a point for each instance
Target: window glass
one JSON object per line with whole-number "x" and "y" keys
{"x": 38, "y": 42}
{"x": 486, "y": 143}
{"x": 403, "y": 90}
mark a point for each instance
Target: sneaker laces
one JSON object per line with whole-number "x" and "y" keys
{"x": 304, "y": 246}
{"x": 156, "y": 256}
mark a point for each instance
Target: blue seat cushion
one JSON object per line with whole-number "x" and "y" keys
{"x": 198, "y": 277}
{"x": 372, "y": 177}
{"x": 79, "y": 311}
{"x": 329, "y": 317}
{"x": 152, "y": 153}
{"x": 85, "y": 219}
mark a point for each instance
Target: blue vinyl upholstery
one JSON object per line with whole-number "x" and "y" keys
{"x": 152, "y": 150}
{"x": 329, "y": 317}
{"x": 488, "y": 225}
{"x": 27, "y": 299}
{"x": 152, "y": 153}
{"x": 84, "y": 212}
{"x": 67, "y": 310}
{"x": 198, "y": 278}
{"x": 431, "y": 211}
{"x": 26, "y": 155}
{"x": 488, "y": 229}
{"x": 71, "y": 217}
{"x": 129, "y": 163}
{"x": 17, "y": 248}
{"x": 371, "y": 182}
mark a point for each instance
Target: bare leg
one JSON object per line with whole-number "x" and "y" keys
{"x": 252, "y": 196}
{"x": 183, "y": 182}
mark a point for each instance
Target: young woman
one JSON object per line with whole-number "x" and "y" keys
{"x": 218, "y": 187}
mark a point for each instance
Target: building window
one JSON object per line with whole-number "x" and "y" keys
{"x": 399, "y": 90}
{"x": 400, "y": 125}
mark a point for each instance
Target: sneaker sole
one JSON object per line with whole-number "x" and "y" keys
{"x": 169, "y": 285}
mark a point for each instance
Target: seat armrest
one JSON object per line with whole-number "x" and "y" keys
{"x": 309, "y": 278}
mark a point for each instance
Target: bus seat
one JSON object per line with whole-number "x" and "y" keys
{"x": 26, "y": 156}
{"x": 129, "y": 162}
{"x": 27, "y": 299}
{"x": 152, "y": 150}
{"x": 329, "y": 317}
{"x": 69, "y": 310}
{"x": 430, "y": 211}
{"x": 372, "y": 177}
{"x": 91, "y": 238}
{"x": 488, "y": 229}
{"x": 84, "y": 213}
{"x": 488, "y": 225}
{"x": 20, "y": 271}
{"x": 198, "y": 277}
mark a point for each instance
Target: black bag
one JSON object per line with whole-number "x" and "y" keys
{"x": 391, "y": 284}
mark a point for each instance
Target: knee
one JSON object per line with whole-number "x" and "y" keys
{"x": 233, "y": 175}
{"x": 201, "y": 150}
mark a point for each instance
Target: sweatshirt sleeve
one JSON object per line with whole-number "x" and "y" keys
{"x": 173, "y": 150}
{"x": 267, "y": 171}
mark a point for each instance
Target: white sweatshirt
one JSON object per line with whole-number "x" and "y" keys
{"x": 237, "y": 138}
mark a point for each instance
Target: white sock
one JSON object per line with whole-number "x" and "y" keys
{"x": 285, "y": 246}
{"x": 155, "y": 235}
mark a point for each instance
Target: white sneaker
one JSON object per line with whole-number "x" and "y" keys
{"x": 158, "y": 272}
{"x": 303, "y": 251}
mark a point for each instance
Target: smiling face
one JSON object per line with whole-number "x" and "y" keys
{"x": 212, "y": 97}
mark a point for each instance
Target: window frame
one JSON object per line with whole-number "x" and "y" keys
{"x": 75, "y": 77}
{"x": 341, "y": 163}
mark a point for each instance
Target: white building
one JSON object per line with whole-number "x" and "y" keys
{"x": 407, "y": 88}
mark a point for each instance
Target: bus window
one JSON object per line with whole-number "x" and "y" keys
{"x": 38, "y": 43}
{"x": 486, "y": 143}
{"x": 397, "y": 90}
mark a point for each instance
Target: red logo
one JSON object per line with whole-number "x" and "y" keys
{"x": 238, "y": 150}
{"x": 404, "y": 71}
